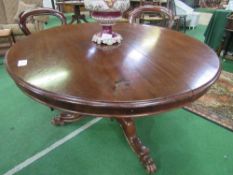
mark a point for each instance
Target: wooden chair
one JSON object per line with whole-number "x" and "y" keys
{"x": 149, "y": 2}
{"x": 30, "y": 14}
{"x": 178, "y": 19}
{"x": 157, "y": 15}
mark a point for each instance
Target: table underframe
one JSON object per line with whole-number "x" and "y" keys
{"x": 76, "y": 9}
{"x": 129, "y": 129}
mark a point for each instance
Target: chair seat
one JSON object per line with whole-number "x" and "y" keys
{"x": 123, "y": 20}
{"x": 151, "y": 18}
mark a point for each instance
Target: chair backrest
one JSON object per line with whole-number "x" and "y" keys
{"x": 172, "y": 6}
{"x": 160, "y": 16}
{"x": 24, "y": 16}
{"x": 149, "y": 2}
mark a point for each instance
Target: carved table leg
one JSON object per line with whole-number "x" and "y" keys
{"x": 63, "y": 118}
{"x": 136, "y": 144}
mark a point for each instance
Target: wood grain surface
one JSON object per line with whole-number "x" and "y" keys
{"x": 152, "y": 70}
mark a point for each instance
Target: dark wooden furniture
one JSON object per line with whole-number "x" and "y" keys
{"x": 24, "y": 16}
{"x": 182, "y": 22}
{"x": 228, "y": 37}
{"x": 53, "y": 4}
{"x": 149, "y": 2}
{"x": 157, "y": 14}
{"x": 153, "y": 70}
{"x": 179, "y": 20}
{"x": 76, "y": 7}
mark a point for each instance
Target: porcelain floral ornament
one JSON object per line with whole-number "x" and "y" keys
{"x": 107, "y": 5}
{"x": 107, "y": 12}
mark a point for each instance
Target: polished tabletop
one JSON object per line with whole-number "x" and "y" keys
{"x": 152, "y": 70}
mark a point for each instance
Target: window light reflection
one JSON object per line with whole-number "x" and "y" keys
{"x": 151, "y": 40}
{"x": 134, "y": 55}
{"x": 91, "y": 51}
{"x": 133, "y": 59}
{"x": 49, "y": 79}
{"x": 202, "y": 77}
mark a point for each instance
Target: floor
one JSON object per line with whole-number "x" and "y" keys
{"x": 181, "y": 142}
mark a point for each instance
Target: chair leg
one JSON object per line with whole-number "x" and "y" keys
{"x": 228, "y": 41}
{"x": 185, "y": 24}
{"x": 12, "y": 37}
{"x": 178, "y": 24}
{"x": 10, "y": 41}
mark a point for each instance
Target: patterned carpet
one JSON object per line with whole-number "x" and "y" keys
{"x": 217, "y": 104}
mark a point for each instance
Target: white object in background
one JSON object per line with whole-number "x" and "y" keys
{"x": 230, "y": 5}
{"x": 192, "y": 19}
{"x": 204, "y": 18}
{"x": 183, "y": 9}
{"x": 47, "y": 3}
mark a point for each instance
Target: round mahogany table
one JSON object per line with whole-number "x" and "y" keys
{"x": 151, "y": 71}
